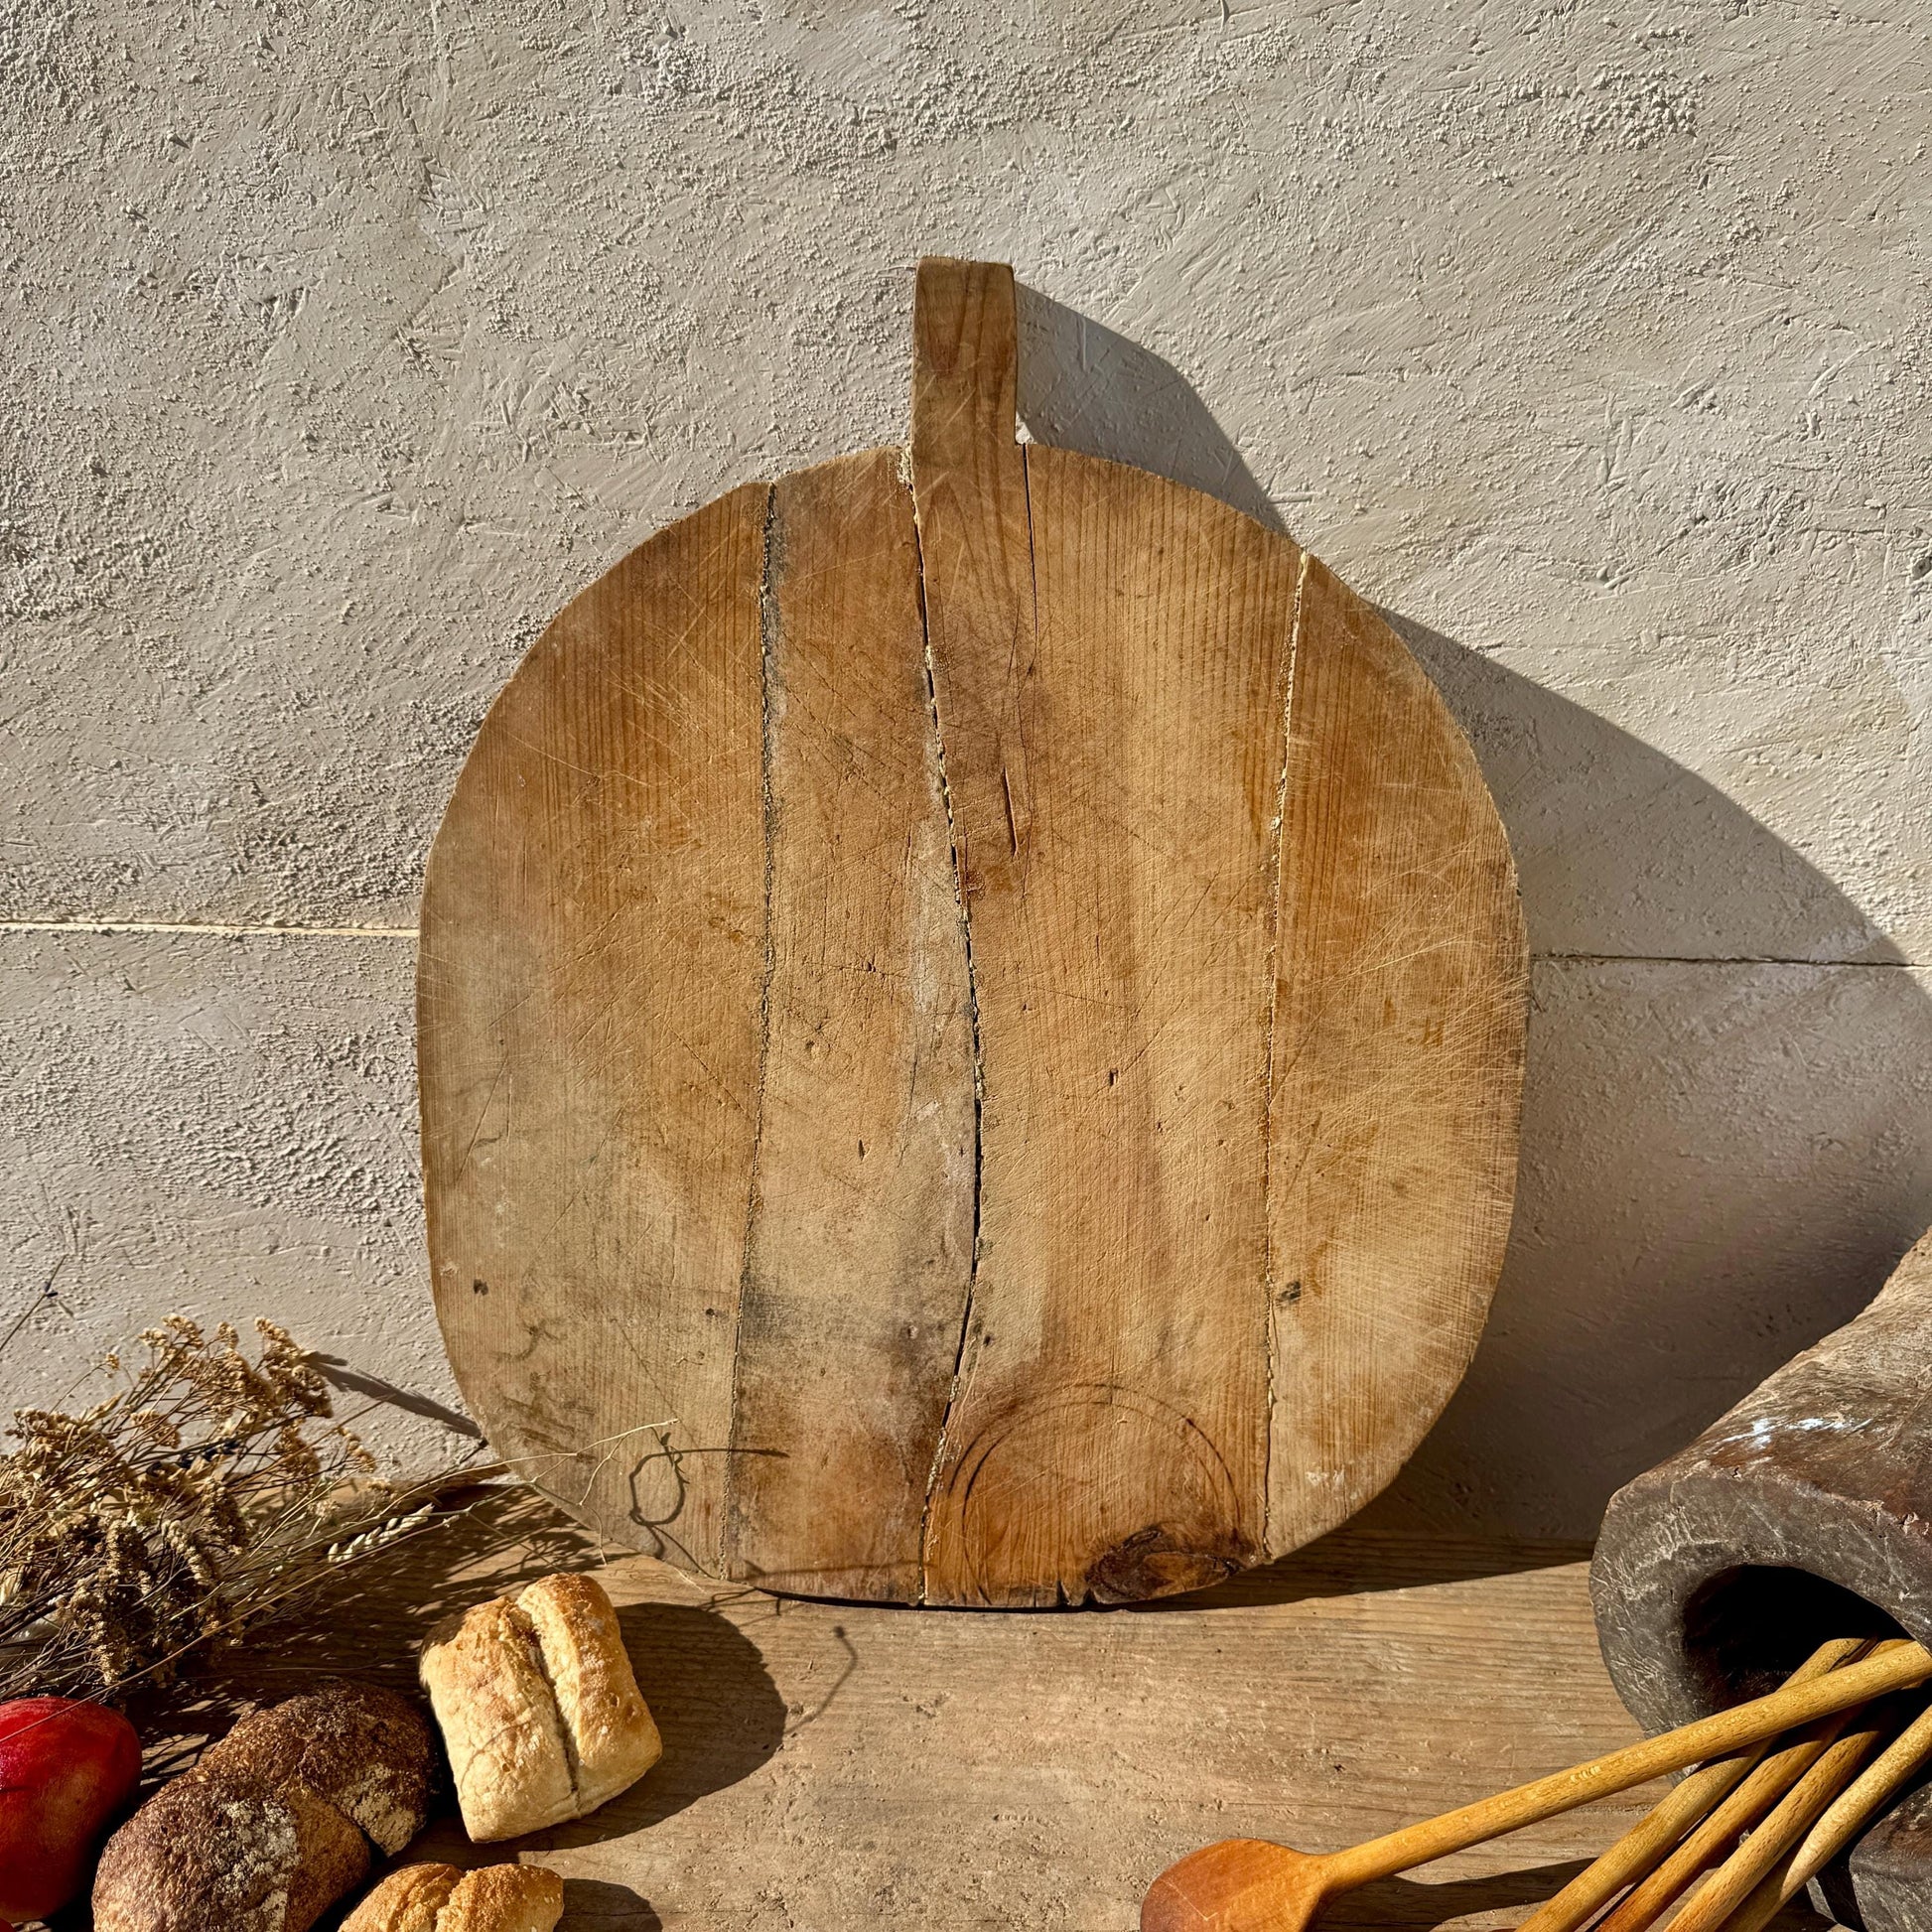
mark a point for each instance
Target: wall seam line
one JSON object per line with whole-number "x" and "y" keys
{"x": 211, "y": 930}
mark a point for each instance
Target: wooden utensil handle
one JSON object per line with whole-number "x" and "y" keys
{"x": 1853, "y": 1807}
{"x": 1714, "y": 1736}
{"x": 1647, "y": 1902}
{"x": 1738, "y": 1878}
{"x": 1655, "y": 1834}
{"x": 1848, "y": 1816}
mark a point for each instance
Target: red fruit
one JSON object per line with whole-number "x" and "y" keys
{"x": 65, "y": 1770}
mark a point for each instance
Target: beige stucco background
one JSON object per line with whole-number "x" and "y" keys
{"x": 1592, "y": 342}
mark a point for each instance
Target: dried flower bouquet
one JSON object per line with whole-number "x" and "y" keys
{"x": 205, "y": 1493}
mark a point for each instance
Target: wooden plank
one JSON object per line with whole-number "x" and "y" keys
{"x": 1396, "y": 1066}
{"x": 859, "y": 1257}
{"x": 835, "y": 1765}
{"x": 1110, "y": 1434}
{"x": 588, "y": 1001}
{"x": 969, "y": 487}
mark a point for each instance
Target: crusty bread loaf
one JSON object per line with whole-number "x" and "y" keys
{"x": 214, "y": 1852}
{"x": 499, "y": 1723}
{"x": 539, "y": 1709}
{"x": 267, "y": 1831}
{"x": 439, "y": 1899}
{"x": 364, "y": 1749}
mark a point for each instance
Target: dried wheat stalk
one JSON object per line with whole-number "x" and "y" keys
{"x": 204, "y": 1494}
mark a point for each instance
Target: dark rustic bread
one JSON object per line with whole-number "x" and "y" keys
{"x": 214, "y": 1852}
{"x": 364, "y": 1750}
{"x": 269, "y": 1830}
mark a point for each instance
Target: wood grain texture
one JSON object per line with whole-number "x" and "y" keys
{"x": 859, "y": 1248}
{"x": 975, "y": 556}
{"x": 1257, "y": 1886}
{"x": 832, "y": 1765}
{"x": 587, "y": 1037}
{"x": 1108, "y": 1439}
{"x": 971, "y": 1029}
{"x": 1396, "y": 1064}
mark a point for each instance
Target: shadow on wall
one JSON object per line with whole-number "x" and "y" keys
{"x": 1722, "y": 1130}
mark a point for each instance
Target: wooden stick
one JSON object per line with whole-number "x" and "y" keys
{"x": 1850, "y": 1813}
{"x": 1738, "y": 1878}
{"x": 1654, "y": 1835}
{"x": 1712, "y": 1839}
{"x": 1250, "y": 1886}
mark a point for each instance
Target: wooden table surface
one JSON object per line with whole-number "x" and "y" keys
{"x": 832, "y": 1766}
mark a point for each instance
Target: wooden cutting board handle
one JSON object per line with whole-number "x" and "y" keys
{"x": 965, "y": 376}
{"x": 969, "y": 482}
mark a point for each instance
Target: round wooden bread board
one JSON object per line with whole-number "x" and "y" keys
{"x": 971, "y": 1011}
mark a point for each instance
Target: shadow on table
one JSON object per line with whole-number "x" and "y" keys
{"x": 1414, "y": 1902}
{"x": 592, "y": 1903}
{"x": 1377, "y": 1548}
{"x": 371, "y": 1621}
{"x": 1414, "y": 1905}
{"x": 717, "y": 1708}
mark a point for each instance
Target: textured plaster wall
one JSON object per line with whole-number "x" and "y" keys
{"x": 1594, "y": 342}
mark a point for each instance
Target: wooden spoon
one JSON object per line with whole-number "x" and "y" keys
{"x": 1846, "y": 1816}
{"x": 1247, "y": 1884}
{"x": 1662, "y": 1827}
{"x": 1739, "y": 1876}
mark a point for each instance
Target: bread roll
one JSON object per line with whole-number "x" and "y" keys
{"x": 409, "y": 1900}
{"x": 609, "y": 1731}
{"x": 504, "y": 1898}
{"x": 214, "y": 1852}
{"x": 267, "y": 1831}
{"x": 539, "y": 1706}
{"x": 439, "y": 1899}
{"x": 499, "y": 1723}
{"x": 364, "y": 1750}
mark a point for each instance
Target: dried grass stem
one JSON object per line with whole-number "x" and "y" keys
{"x": 205, "y": 1493}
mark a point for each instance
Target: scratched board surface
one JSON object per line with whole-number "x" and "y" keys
{"x": 971, "y": 1011}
